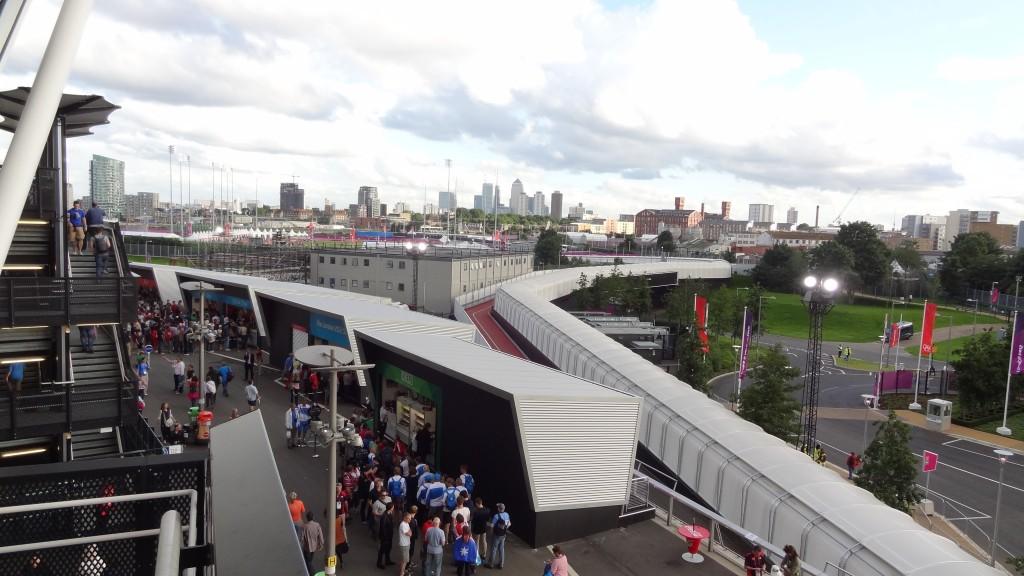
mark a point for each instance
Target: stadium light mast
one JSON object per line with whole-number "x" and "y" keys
{"x": 819, "y": 297}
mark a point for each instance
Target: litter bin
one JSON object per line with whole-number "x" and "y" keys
{"x": 203, "y": 423}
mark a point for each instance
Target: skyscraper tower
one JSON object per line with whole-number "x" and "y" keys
{"x": 368, "y": 197}
{"x": 106, "y": 184}
{"x": 556, "y": 205}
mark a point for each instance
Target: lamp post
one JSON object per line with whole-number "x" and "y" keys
{"x": 869, "y": 404}
{"x": 1003, "y": 455}
{"x": 974, "y": 325}
{"x": 203, "y": 288}
{"x": 819, "y": 298}
{"x": 1005, "y": 430}
{"x": 331, "y": 359}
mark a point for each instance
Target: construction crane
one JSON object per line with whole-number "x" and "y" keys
{"x": 837, "y": 220}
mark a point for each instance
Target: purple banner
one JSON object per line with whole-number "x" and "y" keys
{"x": 895, "y": 382}
{"x": 1017, "y": 345}
{"x": 748, "y": 331}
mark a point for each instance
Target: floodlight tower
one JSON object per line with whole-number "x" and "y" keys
{"x": 819, "y": 298}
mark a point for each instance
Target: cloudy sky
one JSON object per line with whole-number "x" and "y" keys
{"x": 620, "y": 105}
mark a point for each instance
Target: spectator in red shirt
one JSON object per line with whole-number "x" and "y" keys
{"x": 754, "y": 562}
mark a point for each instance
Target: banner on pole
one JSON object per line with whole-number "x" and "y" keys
{"x": 700, "y": 305}
{"x": 928, "y": 326}
{"x": 929, "y": 461}
{"x": 995, "y": 295}
{"x": 748, "y": 331}
{"x": 1017, "y": 345}
{"x": 894, "y": 335}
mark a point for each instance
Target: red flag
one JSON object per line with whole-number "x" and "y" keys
{"x": 352, "y": 234}
{"x": 700, "y": 304}
{"x": 995, "y": 295}
{"x": 894, "y": 335}
{"x": 927, "y": 327}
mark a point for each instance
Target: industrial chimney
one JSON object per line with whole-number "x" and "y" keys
{"x": 817, "y": 212}
{"x": 680, "y": 202}
{"x": 726, "y": 208}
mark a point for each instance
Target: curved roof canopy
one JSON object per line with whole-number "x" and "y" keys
{"x": 81, "y": 112}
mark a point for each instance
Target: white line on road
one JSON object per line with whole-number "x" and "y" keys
{"x": 976, "y": 475}
{"x": 983, "y": 454}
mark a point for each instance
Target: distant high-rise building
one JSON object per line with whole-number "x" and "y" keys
{"x": 487, "y": 197}
{"x": 911, "y": 224}
{"x": 792, "y": 216}
{"x": 293, "y": 198}
{"x": 1020, "y": 234}
{"x": 539, "y": 208}
{"x": 762, "y": 213}
{"x": 401, "y": 207}
{"x": 517, "y": 202}
{"x": 141, "y": 206}
{"x": 368, "y": 197}
{"x": 478, "y": 201}
{"x": 556, "y": 205}
{"x": 957, "y": 222}
{"x": 430, "y": 209}
{"x": 106, "y": 184}
{"x": 383, "y": 210}
{"x": 446, "y": 201}
{"x": 679, "y": 203}
{"x": 356, "y": 211}
{"x": 726, "y": 210}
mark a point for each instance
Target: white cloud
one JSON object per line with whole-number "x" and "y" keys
{"x": 966, "y": 69}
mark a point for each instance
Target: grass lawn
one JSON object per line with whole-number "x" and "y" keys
{"x": 1015, "y": 422}
{"x": 952, "y": 347}
{"x": 152, "y": 259}
{"x": 857, "y": 364}
{"x": 786, "y": 316}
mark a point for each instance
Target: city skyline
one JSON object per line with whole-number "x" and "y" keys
{"x": 774, "y": 113}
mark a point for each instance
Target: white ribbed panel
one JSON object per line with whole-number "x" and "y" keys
{"x": 572, "y": 461}
{"x": 454, "y": 329}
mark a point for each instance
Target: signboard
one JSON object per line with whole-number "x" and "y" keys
{"x": 930, "y": 461}
{"x": 330, "y": 329}
{"x": 148, "y": 349}
{"x": 1017, "y": 345}
{"x": 332, "y": 561}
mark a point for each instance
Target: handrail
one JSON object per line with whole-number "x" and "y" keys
{"x": 40, "y": 506}
{"x": 168, "y": 548}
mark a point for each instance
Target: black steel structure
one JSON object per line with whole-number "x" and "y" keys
{"x": 818, "y": 302}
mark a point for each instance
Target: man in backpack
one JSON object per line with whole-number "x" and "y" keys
{"x": 101, "y": 248}
{"x": 94, "y": 221}
{"x": 500, "y": 523}
{"x": 468, "y": 482}
{"x": 397, "y": 490}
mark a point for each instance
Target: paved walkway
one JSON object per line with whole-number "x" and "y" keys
{"x": 641, "y": 549}
{"x": 497, "y": 338}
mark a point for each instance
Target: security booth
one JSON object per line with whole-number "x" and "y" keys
{"x": 557, "y": 450}
{"x": 940, "y": 415}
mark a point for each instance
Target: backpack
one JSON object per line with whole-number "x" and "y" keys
{"x": 449, "y": 498}
{"x": 395, "y": 487}
{"x": 468, "y": 483}
{"x": 500, "y": 527}
{"x": 102, "y": 243}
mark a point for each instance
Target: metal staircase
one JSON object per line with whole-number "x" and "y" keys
{"x": 84, "y": 266}
{"x": 95, "y": 444}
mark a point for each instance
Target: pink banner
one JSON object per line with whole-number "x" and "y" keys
{"x": 748, "y": 331}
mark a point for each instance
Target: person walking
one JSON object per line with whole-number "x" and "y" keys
{"x": 297, "y": 510}
{"x": 15, "y": 375}
{"x": 249, "y": 358}
{"x": 852, "y": 463}
{"x": 291, "y": 425}
{"x": 790, "y": 562}
{"x": 166, "y": 422}
{"x": 101, "y": 246}
{"x": 210, "y": 390}
{"x": 94, "y": 221}
{"x": 252, "y": 395}
{"x": 433, "y": 542}
{"x": 340, "y": 537}
{"x": 464, "y": 553}
{"x": 312, "y": 540}
{"x": 142, "y": 370}
{"x": 179, "y": 376}
{"x": 559, "y": 563}
{"x": 478, "y": 520}
{"x": 414, "y": 527}
{"x": 385, "y": 536}
{"x": 76, "y": 227}
{"x": 397, "y": 489}
{"x": 226, "y": 376}
{"x": 193, "y": 390}
{"x": 500, "y": 523}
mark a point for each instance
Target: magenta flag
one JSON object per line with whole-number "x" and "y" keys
{"x": 748, "y": 331}
{"x": 1017, "y": 345}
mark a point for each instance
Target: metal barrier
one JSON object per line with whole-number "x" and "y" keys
{"x": 727, "y": 538}
{"x": 66, "y": 300}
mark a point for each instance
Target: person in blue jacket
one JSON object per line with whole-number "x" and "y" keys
{"x": 465, "y": 554}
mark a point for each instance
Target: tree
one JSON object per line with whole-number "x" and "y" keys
{"x": 728, "y": 256}
{"x": 890, "y": 470}
{"x": 767, "y": 400}
{"x": 780, "y": 269}
{"x": 974, "y": 261}
{"x": 870, "y": 255}
{"x": 666, "y": 242}
{"x": 582, "y": 293}
{"x": 694, "y": 369}
{"x": 980, "y": 372}
{"x": 831, "y": 258}
{"x": 548, "y": 249}
{"x": 803, "y": 227}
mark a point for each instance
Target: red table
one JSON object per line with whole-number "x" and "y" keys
{"x": 694, "y": 536}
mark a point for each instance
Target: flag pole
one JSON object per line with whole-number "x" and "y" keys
{"x": 881, "y": 356}
{"x": 1004, "y": 430}
{"x": 743, "y": 345}
{"x": 707, "y": 310}
{"x": 915, "y": 405}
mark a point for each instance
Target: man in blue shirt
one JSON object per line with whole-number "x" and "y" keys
{"x": 500, "y": 523}
{"x": 225, "y": 377}
{"x": 15, "y": 374}
{"x": 76, "y": 226}
{"x": 94, "y": 220}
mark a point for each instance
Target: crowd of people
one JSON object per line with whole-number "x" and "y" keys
{"x": 403, "y": 503}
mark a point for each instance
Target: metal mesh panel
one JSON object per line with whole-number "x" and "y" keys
{"x": 94, "y": 480}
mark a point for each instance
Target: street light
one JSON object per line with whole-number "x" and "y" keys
{"x": 869, "y": 404}
{"x": 1003, "y": 454}
{"x": 819, "y": 299}
{"x": 974, "y": 325}
{"x": 203, "y": 288}
{"x": 331, "y": 359}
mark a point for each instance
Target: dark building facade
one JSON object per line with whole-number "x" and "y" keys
{"x": 293, "y": 198}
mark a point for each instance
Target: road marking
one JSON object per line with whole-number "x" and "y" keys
{"x": 980, "y": 443}
{"x": 976, "y": 475}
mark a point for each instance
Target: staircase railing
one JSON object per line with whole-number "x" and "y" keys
{"x": 65, "y": 300}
